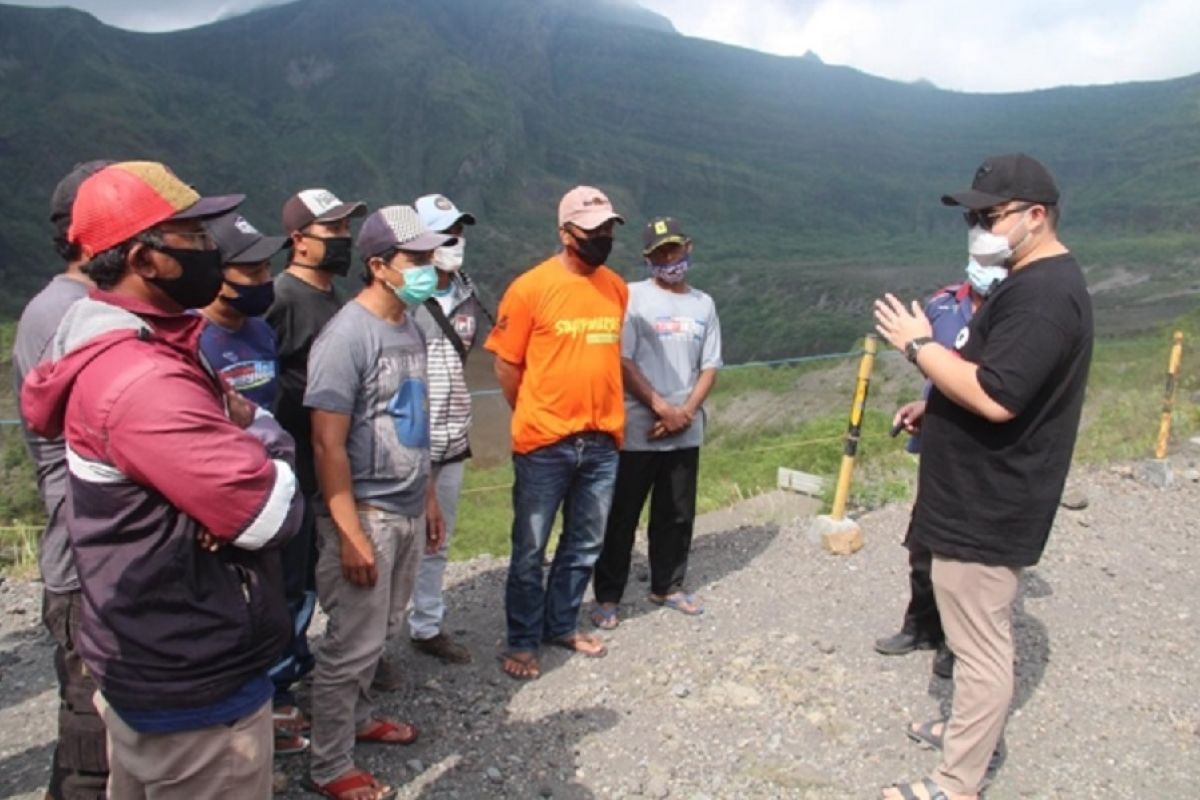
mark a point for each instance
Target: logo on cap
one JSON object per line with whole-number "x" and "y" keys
{"x": 660, "y": 227}
{"x": 243, "y": 225}
{"x": 318, "y": 201}
{"x": 595, "y": 201}
{"x": 442, "y": 204}
{"x": 985, "y": 169}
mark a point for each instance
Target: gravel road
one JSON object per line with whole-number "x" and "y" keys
{"x": 775, "y": 692}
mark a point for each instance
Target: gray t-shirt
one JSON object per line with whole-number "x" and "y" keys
{"x": 35, "y": 332}
{"x": 671, "y": 337}
{"x": 374, "y": 372}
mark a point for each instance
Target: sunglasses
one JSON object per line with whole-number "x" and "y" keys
{"x": 988, "y": 217}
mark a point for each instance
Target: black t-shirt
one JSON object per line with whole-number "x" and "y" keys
{"x": 298, "y": 314}
{"x": 989, "y": 491}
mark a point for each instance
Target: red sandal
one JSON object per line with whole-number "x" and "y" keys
{"x": 341, "y": 788}
{"x": 383, "y": 731}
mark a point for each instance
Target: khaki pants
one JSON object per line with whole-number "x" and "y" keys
{"x": 224, "y": 762}
{"x": 360, "y": 621}
{"x": 976, "y": 605}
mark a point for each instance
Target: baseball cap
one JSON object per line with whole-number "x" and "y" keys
{"x": 586, "y": 207}
{"x": 242, "y": 243}
{"x": 123, "y": 199}
{"x": 64, "y": 194}
{"x": 317, "y": 205}
{"x": 999, "y": 179}
{"x": 660, "y": 231}
{"x": 397, "y": 228}
{"x": 437, "y": 213}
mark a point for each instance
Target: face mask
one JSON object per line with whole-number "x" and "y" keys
{"x": 419, "y": 284}
{"x": 200, "y": 279}
{"x": 671, "y": 273}
{"x": 337, "y": 254}
{"x": 986, "y": 248}
{"x": 593, "y": 251}
{"x": 984, "y": 279}
{"x": 450, "y": 258}
{"x": 251, "y": 301}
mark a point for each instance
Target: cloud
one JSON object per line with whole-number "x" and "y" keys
{"x": 1011, "y": 46}
{"x": 155, "y": 15}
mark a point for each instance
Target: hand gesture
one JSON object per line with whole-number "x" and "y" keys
{"x": 909, "y": 415}
{"x": 900, "y": 325}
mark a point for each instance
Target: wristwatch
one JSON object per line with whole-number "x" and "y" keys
{"x": 910, "y": 349}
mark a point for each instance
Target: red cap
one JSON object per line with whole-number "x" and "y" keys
{"x": 122, "y": 200}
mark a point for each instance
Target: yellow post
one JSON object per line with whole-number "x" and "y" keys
{"x": 854, "y": 429}
{"x": 1164, "y": 425}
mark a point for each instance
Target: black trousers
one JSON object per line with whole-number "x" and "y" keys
{"x": 669, "y": 478}
{"x": 300, "y": 584}
{"x": 921, "y": 618}
{"x": 79, "y": 770}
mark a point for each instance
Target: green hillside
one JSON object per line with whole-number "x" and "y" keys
{"x": 808, "y": 187}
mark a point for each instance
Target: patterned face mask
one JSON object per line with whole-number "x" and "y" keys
{"x": 671, "y": 273}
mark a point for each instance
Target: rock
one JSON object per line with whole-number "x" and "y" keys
{"x": 658, "y": 787}
{"x": 1157, "y": 473}
{"x": 828, "y": 648}
{"x": 841, "y": 537}
{"x": 680, "y": 691}
{"x": 1074, "y": 500}
{"x": 1192, "y": 475}
{"x": 279, "y": 781}
{"x": 494, "y": 775}
{"x": 415, "y": 765}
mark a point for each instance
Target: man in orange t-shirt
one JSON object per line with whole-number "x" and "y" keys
{"x": 558, "y": 360}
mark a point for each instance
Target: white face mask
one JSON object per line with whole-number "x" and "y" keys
{"x": 986, "y": 248}
{"x": 984, "y": 279}
{"x": 450, "y": 258}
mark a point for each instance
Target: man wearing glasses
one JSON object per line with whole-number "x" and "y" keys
{"x": 998, "y": 433}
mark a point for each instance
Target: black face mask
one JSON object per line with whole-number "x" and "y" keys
{"x": 200, "y": 279}
{"x": 251, "y": 301}
{"x": 593, "y": 251}
{"x": 337, "y": 254}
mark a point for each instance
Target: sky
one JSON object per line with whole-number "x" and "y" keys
{"x": 1011, "y": 45}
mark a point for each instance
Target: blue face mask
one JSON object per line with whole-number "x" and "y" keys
{"x": 671, "y": 273}
{"x": 251, "y": 300}
{"x": 419, "y": 284}
{"x": 984, "y": 279}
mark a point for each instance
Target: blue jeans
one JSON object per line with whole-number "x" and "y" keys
{"x": 577, "y": 473}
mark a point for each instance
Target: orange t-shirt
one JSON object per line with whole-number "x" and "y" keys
{"x": 565, "y": 330}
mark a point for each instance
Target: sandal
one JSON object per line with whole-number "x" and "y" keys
{"x": 521, "y": 665}
{"x": 592, "y": 646}
{"x": 923, "y": 733}
{"x": 288, "y": 743}
{"x": 386, "y": 731}
{"x": 290, "y": 719}
{"x": 931, "y": 789}
{"x": 351, "y": 784}
{"x": 683, "y": 603}
{"x": 604, "y": 616}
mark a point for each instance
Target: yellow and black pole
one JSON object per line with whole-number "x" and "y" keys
{"x": 837, "y": 534}
{"x": 1164, "y": 425}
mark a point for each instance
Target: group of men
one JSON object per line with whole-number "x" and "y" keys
{"x": 190, "y": 528}
{"x": 219, "y": 450}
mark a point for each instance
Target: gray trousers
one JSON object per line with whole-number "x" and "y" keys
{"x": 360, "y": 619}
{"x": 428, "y": 608}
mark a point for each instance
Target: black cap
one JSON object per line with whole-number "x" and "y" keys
{"x": 317, "y": 205}
{"x": 1014, "y": 176}
{"x": 64, "y": 194}
{"x": 660, "y": 231}
{"x": 240, "y": 242}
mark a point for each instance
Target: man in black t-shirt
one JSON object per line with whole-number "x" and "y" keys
{"x": 318, "y": 225}
{"x": 998, "y": 433}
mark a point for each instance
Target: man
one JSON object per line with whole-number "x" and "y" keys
{"x": 79, "y": 769}
{"x": 448, "y": 321}
{"x": 367, "y": 392}
{"x": 997, "y": 436}
{"x": 183, "y": 609}
{"x": 558, "y": 361}
{"x": 670, "y": 354}
{"x": 240, "y": 346}
{"x": 949, "y": 312}
{"x": 318, "y": 225}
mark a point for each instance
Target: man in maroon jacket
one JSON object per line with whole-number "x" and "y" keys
{"x": 180, "y": 493}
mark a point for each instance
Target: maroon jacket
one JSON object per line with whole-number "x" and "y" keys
{"x": 153, "y": 459}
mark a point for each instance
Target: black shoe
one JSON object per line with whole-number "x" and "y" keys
{"x": 901, "y": 644}
{"x": 943, "y": 662}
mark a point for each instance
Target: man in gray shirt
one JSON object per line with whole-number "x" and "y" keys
{"x": 367, "y": 391}
{"x": 670, "y": 353}
{"x": 80, "y": 767}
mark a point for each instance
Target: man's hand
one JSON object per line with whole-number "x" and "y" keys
{"x": 207, "y": 541}
{"x": 909, "y": 416}
{"x": 898, "y": 324}
{"x": 358, "y": 560}
{"x": 241, "y": 410}
{"x": 435, "y": 525}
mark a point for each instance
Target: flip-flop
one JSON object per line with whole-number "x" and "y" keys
{"x": 381, "y": 731}
{"x": 934, "y": 791}
{"x": 571, "y": 643}
{"x": 683, "y": 603}
{"x": 528, "y": 669}
{"x": 290, "y": 744}
{"x": 605, "y": 618}
{"x": 343, "y": 786}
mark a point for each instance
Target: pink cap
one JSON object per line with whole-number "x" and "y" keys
{"x": 586, "y": 207}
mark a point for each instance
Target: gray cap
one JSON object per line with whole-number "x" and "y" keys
{"x": 397, "y": 228}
